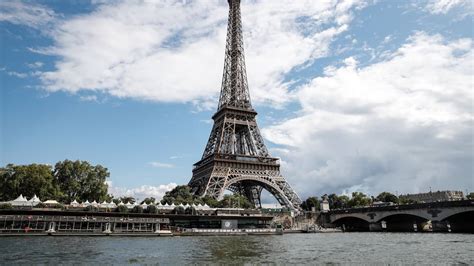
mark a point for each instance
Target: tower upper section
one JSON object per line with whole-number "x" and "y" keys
{"x": 234, "y": 88}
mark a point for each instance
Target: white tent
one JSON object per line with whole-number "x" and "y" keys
{"x": 75, "y": 204}
{"x": 34, "y": 201}
{"x": 94, "y": 203}
{"x": 104, "y": 204}
{"x": 121, "y": 203}
{"x": 87, "y": 203}
{"x": 112, "y": 205}
{"x": 144, "y": 205}
{"x": 129, "y": 205}
{"x": 20, "y": 201}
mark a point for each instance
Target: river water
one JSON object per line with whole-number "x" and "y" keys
{"x": 330, "y": 248}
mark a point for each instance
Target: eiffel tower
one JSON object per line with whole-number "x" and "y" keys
{"x": 235, "y": 157}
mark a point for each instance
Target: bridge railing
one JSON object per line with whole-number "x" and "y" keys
{"x": 427, "y": 205}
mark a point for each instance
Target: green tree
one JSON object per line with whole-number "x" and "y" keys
{"x": 179, "y": 195}
{"x": 387, "y": 197}
{"x": 137, "y": 209}
{"x": 210, "y": 201}
{"x": 359, "y": 199}
{"x": 149, "y": 200}
{"x": 470, "y": 196}
{"x": 122, "y": 209}
{"x": 403, "y": 200}
{"x": 190, "y": 210}
{"x": 152, "y": 209}
{"x": 338, "y": 202}
{"x": 29, "y": 180}
{"x": 126, "y": 199}
{"x": 309, "y": 203}
{"x": 178, "y": 210}
{"x": 81, "y": 181}
{"x": 235, "y": 201}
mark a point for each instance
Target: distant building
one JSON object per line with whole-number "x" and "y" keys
{"x": 447, "y": 195}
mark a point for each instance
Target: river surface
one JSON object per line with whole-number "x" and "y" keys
{"x": 328, "y": 248}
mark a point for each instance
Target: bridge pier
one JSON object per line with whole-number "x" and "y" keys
{"x": 375, "y": 227}
{"x": 441, "y": 226}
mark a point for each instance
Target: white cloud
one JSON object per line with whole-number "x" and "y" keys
{"x": 88, "y": 98}
{"x": 36, "y": 64}
{"x": 142, "y": 192}
{"x": 161, "y": 165}
{"x": 173, "y": 52}
{"x": 401, "y": 124}
{"x": 444, "y": 6}
{"x": 32, "y": 15}
{"x": 17, "y": 74}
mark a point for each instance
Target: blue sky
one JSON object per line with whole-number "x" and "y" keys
{"x": 352, "y": 95}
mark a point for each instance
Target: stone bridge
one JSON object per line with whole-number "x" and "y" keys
{"x": 436, "y": 216}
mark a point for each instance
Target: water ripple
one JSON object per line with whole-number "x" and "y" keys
{"x": 304, "y": 249}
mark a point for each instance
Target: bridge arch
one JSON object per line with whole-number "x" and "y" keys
{"x": 417, "y": 215}
{"x": 460, "y": 222}
{"x": 456, "y": 215}
{"x": 404, "y": 222}
{"x": 352, "y": 223}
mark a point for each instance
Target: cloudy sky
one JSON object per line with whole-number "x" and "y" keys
{"x": 352, "y": 95}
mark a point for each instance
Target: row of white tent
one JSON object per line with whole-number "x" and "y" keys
{"x": 23, "y": 201}
{"x": 129, "y": 205}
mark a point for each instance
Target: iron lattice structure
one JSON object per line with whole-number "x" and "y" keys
{"x": 235, "y": 157}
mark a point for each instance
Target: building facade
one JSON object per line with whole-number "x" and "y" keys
{"x": 447, "y": 195}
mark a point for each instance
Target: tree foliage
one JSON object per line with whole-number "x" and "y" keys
{"x": 152, "y": 209}
{"x": 338, "y": 202}
{"x": 68, "y": 181}
{"x": 183, "y": 195}
{"x": 470, "y": 196}
{"x": 387, "y": 197}
{"x": 404, "y": 200}
{"x": 235, "y": 201}
{"x": 148, "y": 201}
{"x": 121, "y": 209}
{"x": 179, "y": 195}
{"x": 178, "y": 210}
{"x": 359, "y": 199}
{"x": 137, "y": 209}
{"x": 309, "y": 203}
{"x": 210, "y": 201}
{"x": 190, "y": 210}
{"x": 29, "y": 180}
{"x": 126, "y": 199}
{"x": 81, "y": 181}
